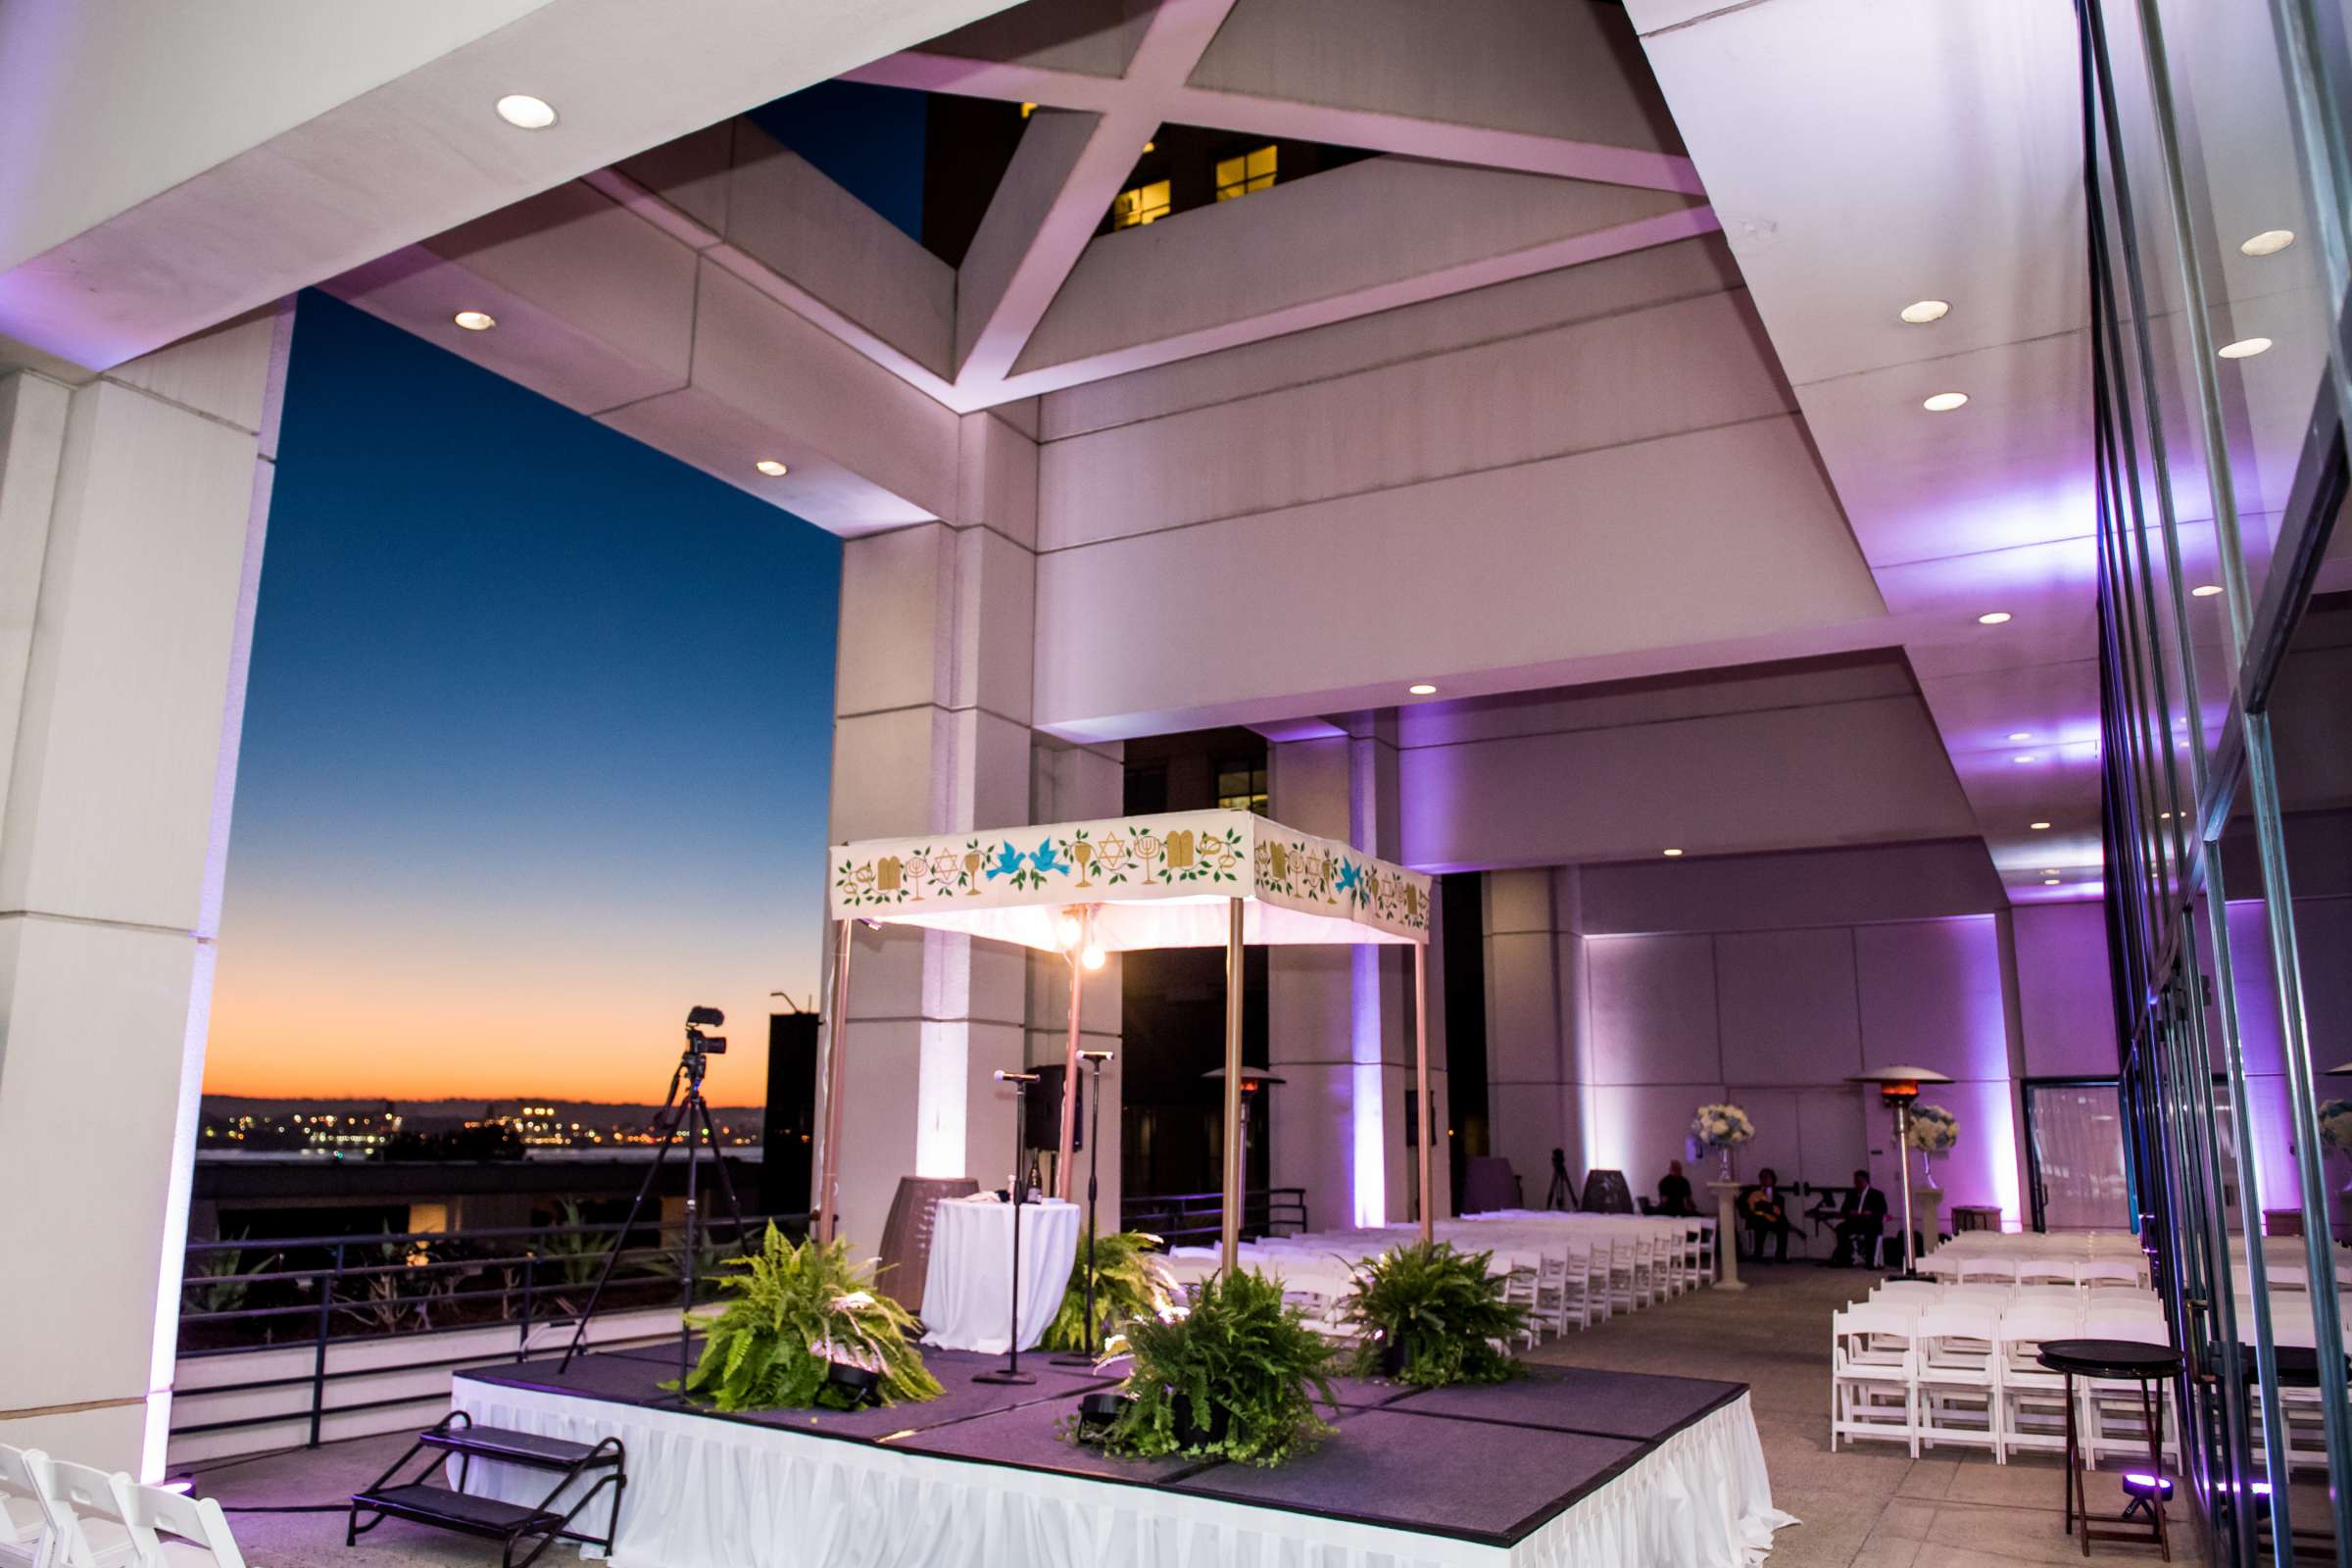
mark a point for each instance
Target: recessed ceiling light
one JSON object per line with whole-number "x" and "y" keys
{"x": 1919, "y": 312}
{"x": 2021, "y": 734}
{"x": 2039, "y": 827}
{"x": 476, "y": 320}
{"x": 1672, "y": 854}
{"x": 2164, "y": 816}
{"x": 2245, "y": 348}
{"x": 2023, "y": 757}
{"x": 2050, "y": 881}
{"x": 1944, "y": 402}
{"x": 1993, "y": 618}
{"x": 771, "y": 467}
{"x": 1422, "y": 689}
{"x": 2270, "y": 242}
{"x": 2205, "y": 590}
{"x": 526, "y": 113}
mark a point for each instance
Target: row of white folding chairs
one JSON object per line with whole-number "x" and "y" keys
{"x": 2106, "y": 1292}
{"x": 1968, "y": 1376}
{"x": 58, "y": 1514}
{"x": 2004, "y": 1269}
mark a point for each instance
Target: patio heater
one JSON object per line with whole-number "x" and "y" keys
{"x": 1898, "y": 1088}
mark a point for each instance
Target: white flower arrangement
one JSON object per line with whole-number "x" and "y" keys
{"x": 1722, "y": 1126}
{"x": 2335, "y": 1125}
{"x": 1933, "y": 1129}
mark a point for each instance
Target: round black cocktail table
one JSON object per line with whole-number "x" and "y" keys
{"x": 2115, "y": 1361}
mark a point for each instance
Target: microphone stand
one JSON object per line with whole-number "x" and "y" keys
{"x": 1011, "y": 1371}
{"x": 1094, "y": 1165}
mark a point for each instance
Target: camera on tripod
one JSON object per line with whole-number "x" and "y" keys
{"x": 698, "y": 1044}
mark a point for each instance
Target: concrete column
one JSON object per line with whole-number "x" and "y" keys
{"x": 932, "y": 734}
{"x": 132, "y": 510}
{"x": 1341, "y": 1018}
{"x": 1535, "y": 1006}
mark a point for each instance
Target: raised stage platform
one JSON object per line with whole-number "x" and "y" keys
{"x": 1568, "y": 1466}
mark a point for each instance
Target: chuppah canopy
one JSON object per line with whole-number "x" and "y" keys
{"x": 1181, "y": 879}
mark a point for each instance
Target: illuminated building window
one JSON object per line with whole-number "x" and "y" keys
{"x": 1242, "y": 787}
{"x": 1146, "y": 204}
{"x": 1239, "y": 176}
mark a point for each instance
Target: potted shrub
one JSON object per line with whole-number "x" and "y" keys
{"x": 1130, "y": 1283}
{"x": 1228, "y": 1379}
{"x": 794, "y": 1312}
{"x": 1428, "y": 1314}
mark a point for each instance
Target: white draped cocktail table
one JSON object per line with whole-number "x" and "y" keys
{"x": 967, "y": 1295}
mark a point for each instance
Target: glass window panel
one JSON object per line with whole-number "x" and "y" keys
{"x": 2260, "y": 266}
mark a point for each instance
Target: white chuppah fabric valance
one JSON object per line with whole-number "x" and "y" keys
{"x": 1158, "y": 881}
{"x": 706, "y": 1493}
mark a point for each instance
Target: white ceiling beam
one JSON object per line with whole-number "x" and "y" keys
{"x": 1031, "y": 236}
{"x": 307, "y": 183}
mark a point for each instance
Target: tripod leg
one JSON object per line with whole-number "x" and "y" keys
{"x": 726, "y": 1183}
{"x": 653, "y": 1173}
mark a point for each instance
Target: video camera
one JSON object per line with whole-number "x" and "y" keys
{"x": 698, "y": 1044}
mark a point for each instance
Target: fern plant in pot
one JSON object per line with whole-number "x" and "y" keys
{"x": 1130, "y": 1283}
{"x": 1230, "y": 1379}
{"x": 1429, "y": 1316}
{"x": 794, "y": 1312}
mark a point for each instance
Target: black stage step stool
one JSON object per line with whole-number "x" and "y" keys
{"x": 420, "y": 1501}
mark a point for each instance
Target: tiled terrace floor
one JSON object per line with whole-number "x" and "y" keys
{"x": 1876, "y": 1506}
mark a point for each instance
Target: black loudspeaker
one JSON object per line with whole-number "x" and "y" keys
{"x": 790, "y": 1121}
{"x": 1042, "y": 1131}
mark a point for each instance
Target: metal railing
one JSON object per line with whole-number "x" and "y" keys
{"x": 1183, "y": 1219}
{"x": 323, "y": 1291}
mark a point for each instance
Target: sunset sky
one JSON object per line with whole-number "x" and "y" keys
{"x": 535, "y": 748}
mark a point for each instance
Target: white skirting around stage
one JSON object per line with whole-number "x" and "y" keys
{"x": 710, "y": 1494}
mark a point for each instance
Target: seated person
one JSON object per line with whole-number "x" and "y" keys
{"x": 1767, "y": 1214}
{"x": 1673, "y": 1190}
{"x": 1861, "y": 1221}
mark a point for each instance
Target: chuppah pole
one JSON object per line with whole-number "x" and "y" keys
{"x": 1064, "y": 1169}
{"x": 828, "y": 1157}
{"x": 1233, "y": 1085}
{"x": 1424, "y": 1122}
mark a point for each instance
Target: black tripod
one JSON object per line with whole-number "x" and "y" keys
{"x": 691, "y": 1116}
{"x": 1561, "y": 1195}
{"x": 1093, "y": 1162}
{"x": 1011, "y": 1371}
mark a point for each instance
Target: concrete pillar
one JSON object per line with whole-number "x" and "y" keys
{"x": 1341, "y": 1018}
{"x": 932, "y": 734}
{"x": 132, "y": 510}
{"x": 1535, "y": 1006}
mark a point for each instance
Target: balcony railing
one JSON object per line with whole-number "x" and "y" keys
{"x": 322, "y": 1328}
{"x": 1186, "y": 1219}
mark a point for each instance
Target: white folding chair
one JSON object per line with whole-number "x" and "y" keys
{"x": 1646, "y": 1271}
{"x": 2047, "y": 1271}
{"x": 27, "y": 1535}
{"x": 1988, "y": 1271}
{"x": 175, "y": 1530}
{"x": 1552, "y": 1292}
{"x": 1621, "y": 1273}
{"x": 87, "y": 1513}
{"x": 2033, "y": 1398}
{"x": 1959, "y": 1378}
{"x": 2113, "y": 1418}
{"x": 1872, "y": 1392}
{"x": 1519, "y": 1288}
{"x": 2113, "y": 1274}
{"x": 1576, "y": 1284}
{"x": 1911, "y": 1293}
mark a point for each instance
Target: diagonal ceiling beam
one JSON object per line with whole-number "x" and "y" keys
{"x": 1014, "y": 81}
{"x": 1062, "y": 179}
